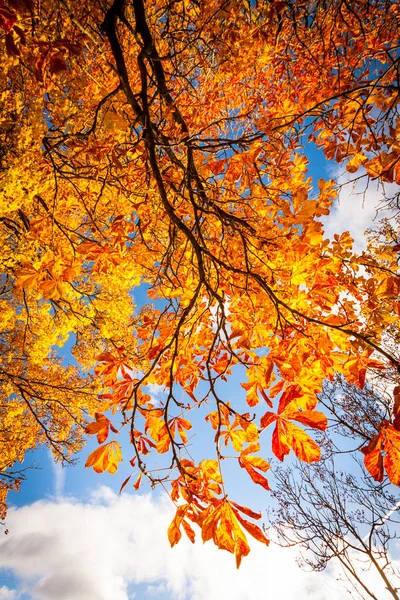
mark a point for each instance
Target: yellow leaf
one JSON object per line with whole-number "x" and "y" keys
{"x": 210, "y": 468}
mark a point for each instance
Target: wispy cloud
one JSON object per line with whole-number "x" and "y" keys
{"x": 58, "y": 478}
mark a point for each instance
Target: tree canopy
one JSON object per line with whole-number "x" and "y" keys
{"x": 163, "y": 146}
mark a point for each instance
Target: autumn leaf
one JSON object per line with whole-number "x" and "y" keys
{"x": 11, "y": 46}
{"x": 138, "y": 481}
{"x": 218, "y": 166}
{"x": 210, "y": 469}
{"x": 239, "y": 432}
{"x": 100, "y": 427}
{"x": 105, "y": 458}
{"x": 311, "y": 418}
{"x": 287, "y": 435}
{"x": 124, "y": 483}
{"x": 7, "y": 18}
{"x": 253, "y": 464}
{"x": 355, "y": 162}
{"x": 383, "y": 453}
{"x": 280, "y": 442}
{"x": 57, "y": 63}
{"x": 174, "y": 533}
{"x": 159, "y": 432}
{"x": 188, "y": 530}
{"x": 28, "y": 277}
{"x": 183, "y": 425}
{"x": 221, "y": 524}
{"x": 303, "y": 446}
{"x": 253, "y": 529}
{"x": 110, "y": 367}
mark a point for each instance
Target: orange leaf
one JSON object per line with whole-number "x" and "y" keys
{"x": 53, "y": 289}
{"x": 210, "y": 522}
{"x": 221, "y": 524}
{"x": 251, "y": 448}
{"x": 246, "y": 463}
{"x": 28, "y": 277}
{"x": 304, "y": 447}
{"x": 182, "y": 425}
{"x": 174, "y": 534}
{"x": 159, "y": 432}
{"x": 291, "y": 393}
{"x": 257, "y": 462}
{"x": 391, "y": 459}
{"x": 246, "y": 511}
{"x": 163, "y": 443}
{"x": 277, "y": 388}
{"x": 384, "y": 451}
{"x": 100, "y": 427}
{"x": 312, "y": 418}
{"x": 253, "y": 529}
{"x": 105, "y": 458}
{"x": 373, "y": 462}
{"x": 189, "y": 531}
{"x": 136, "y": 485}
{"x": 396, "y": 397}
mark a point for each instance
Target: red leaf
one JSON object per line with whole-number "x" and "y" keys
{"x": 57, "y": 64}
{"x": 267, "y": 419}
{"x": 136, "y": 485}
{"x": 373, "y": 462}
{"x": 124, "y": 483}
{"x": 280, "y": 446}
{"x": 21, "y": 6}
{"x": 7, "y": 19}
{"x": 11, "y": 47}
{"x": 20, "y": 33}
{"x": 391, "y": 460}
{"x": 218, "y": 166}
{"x": 383, "y": 452}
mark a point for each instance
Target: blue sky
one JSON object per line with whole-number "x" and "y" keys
{"x": 73, "y": 537}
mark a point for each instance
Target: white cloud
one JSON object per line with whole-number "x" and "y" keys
{"x": 155, "y": 389}
{"x": 356, "y": 207}
{"x": 7, "y": 594}
{"x": 96, "y": 550}
{"x": 101, "y": 549}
